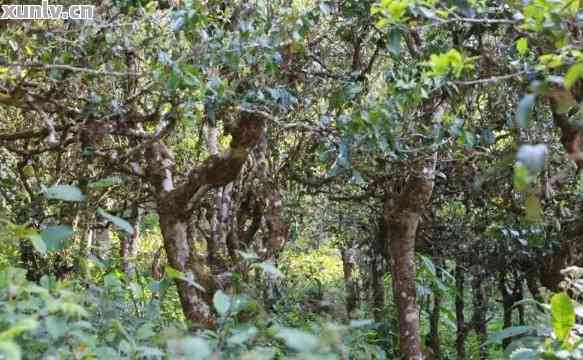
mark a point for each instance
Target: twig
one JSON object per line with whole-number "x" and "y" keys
{"x": 489, "y": 80}
{"x": 440, "y": 22}
{"x": 71, "y": 68}
{"x": 49, "y": 126}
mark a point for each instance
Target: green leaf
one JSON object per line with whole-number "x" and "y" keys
{"x": 222, "y": 302}
{"x": 172, "y": 273}
{"x": 111, "y": 281}
{"x": 297, "y": 340}
{"x": 261, "y": 353}
{"x": 549, "y": 61}
{"x": 574, "y": 73}
{"x": 562, "y": 315}
{"x": 533, "y": 208}
{"x": 394, "y": 45}
{"x": 9, "y": 351}
{"x": 522, "y": 45}
{"x": 248, "y": 256}
{"x": 38, "y": 243}
{"x": 56, "y": 237}
{"x": 117, "y": 221}
{"x": 524, "y": 108}
{"x": 453, "y": 61}
{"x": 145, "y": 332}
{"x": 242, "y": 336}
{"x": 193, "y": 348}
{"x": 175, "y": 274}
{"x": 524, "y": 354}
{"x": 521, "y": 177}
{"x": 191, "y": 75}
{"x": 18, "y": 328}
{"x": 174, "y": 79}
{"x": 56, "y": 326}
{"x": 149, "y": 352}
{"x": 361, "y": 323}
{"x": 498, "y": 337}
{"x": 64, "y": 192}
{"x": 105, "y": 183}
{"x": 270, "y": 269}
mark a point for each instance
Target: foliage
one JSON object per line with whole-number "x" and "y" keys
{"x": 121, "y": 320}
{"x": 559, "y": 338}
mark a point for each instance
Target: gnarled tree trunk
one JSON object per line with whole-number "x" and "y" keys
{"x": 176, "y": 202}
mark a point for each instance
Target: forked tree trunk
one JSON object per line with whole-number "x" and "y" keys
{"x": 401, "y": 228}
{"x": 176, "y": 202}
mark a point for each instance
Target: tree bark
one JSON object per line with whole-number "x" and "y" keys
{"x": 507, "y": 303}
{"x": 378, "y": 269}
{"x": 479, "y": 316}
{"x": 103, "y": 243}
{"x": 176, "y": 202}
{"x": 378, "y": 288}
{"x": 129, "y": 242}
{"x": 174, "y": 232}
{"x": 348, "y": 266}
{"x": 460, "y": 342}
{"x": 433, "y": 341}
{"x": 571, "y": 134}
{"x": 401, "y": 228}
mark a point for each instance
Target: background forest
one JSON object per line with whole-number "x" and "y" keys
{"x": 307, "y": 179}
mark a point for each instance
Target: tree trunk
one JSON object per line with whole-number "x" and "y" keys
{"x": 401, "y": 228}
{"x": 571, "y": 134}
{"x": 378, "y": 288}
{"x": 174, "y": 232}
{"x": 176, "y": 203}
{"x": 87, "y": 241}
{"x": 277, "y": 234}
{"x": 507, "y": 303}
{"x": 348, "y": 266}
{"x": 103, "y": 243}
{"x": 479, "y": 315}
{"x": 519, "y": 297}
{"x": 378, "y": 269}
{"x": 433, "y": 341}
{"x": 460, "y": 342}
{"x": 129, "y": 243}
